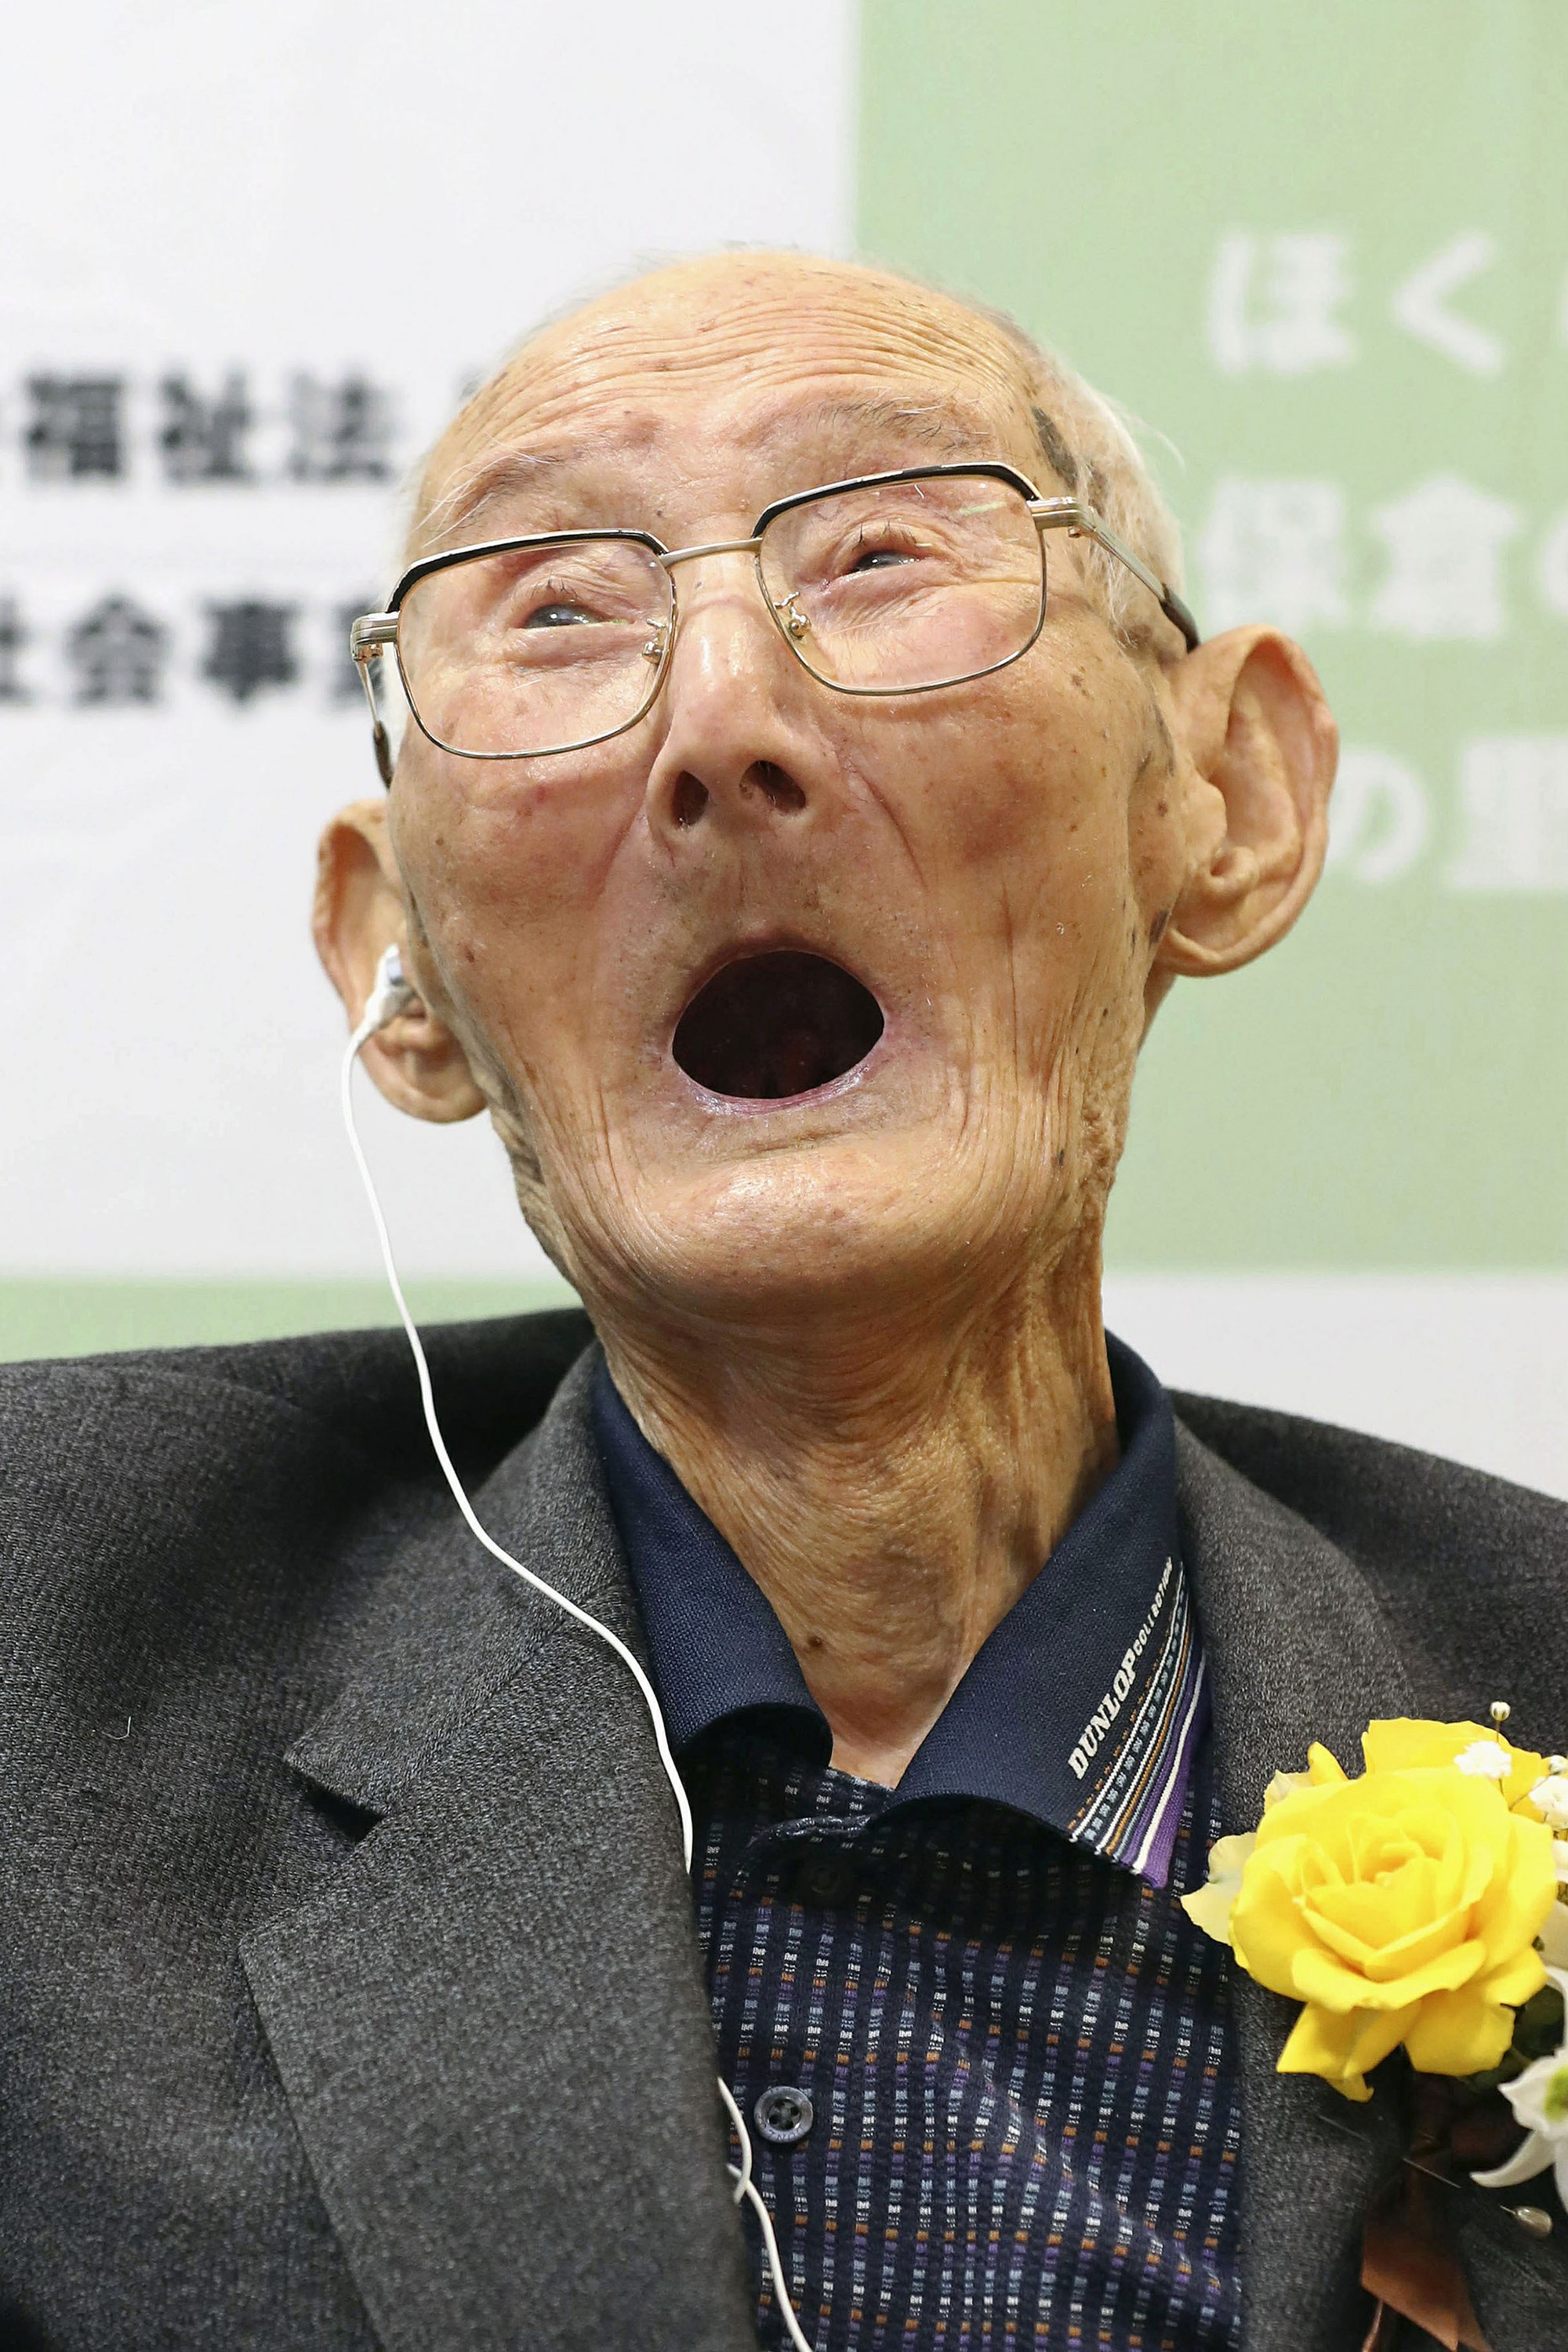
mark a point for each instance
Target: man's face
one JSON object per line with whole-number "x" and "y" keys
{"x": 989, "y": 864}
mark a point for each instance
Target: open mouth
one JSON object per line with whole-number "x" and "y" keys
{"x": 771, "y": 1025}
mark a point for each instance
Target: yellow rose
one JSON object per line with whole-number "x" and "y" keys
{"x": 1400, "y": 1907}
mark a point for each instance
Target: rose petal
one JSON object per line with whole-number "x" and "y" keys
{"x": 1342, "y": 2049}
{"x": 1515, "y": 1908}
{"x": 1285, "y": 1784}
{"x": 1517, "y": 1980}
{"x": 1400, "y": 1742}
{"x": 1209, "y": 1906}
{"x": 1459, "y": 2034}
{"x": 1266, "y": 1924}
{"x": 1321, "y": 1977}
{"x": 1407, "y": 1742}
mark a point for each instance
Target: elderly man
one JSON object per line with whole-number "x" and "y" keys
{"x": 810, "y": 785}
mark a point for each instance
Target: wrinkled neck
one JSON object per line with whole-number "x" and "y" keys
{"x": 892, "y": 1482}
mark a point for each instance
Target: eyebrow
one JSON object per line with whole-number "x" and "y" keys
{"x": 498, "y": 479}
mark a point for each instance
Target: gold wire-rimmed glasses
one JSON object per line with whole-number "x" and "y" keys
{"x": 889, "y": 585}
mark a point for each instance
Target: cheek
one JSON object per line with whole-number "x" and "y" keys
{"x": 504, "y": 867}
{"x": 1016, "y": 815}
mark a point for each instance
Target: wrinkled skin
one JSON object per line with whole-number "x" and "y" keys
{"x": 864, "y": 1328}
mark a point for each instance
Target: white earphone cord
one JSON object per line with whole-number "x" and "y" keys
{"x": 384, "y": 1002}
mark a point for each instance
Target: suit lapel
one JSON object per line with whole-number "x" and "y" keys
{"x": 1296, "y": 1651}
{"x": 491, "y": 2026}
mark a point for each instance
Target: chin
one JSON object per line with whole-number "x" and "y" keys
{"x": 830, "y": 1229}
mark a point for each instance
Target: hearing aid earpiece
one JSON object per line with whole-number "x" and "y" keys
{"x": 391, "y": 995}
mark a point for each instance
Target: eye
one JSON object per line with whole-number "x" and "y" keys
{"x": 882, "y": 546}
{"x": 557, "y": 613}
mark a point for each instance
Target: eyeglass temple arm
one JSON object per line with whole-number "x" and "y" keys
{"x": 1071, "y": 514}
{"x": 367, "y": 636}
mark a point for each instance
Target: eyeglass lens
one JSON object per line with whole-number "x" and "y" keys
{"x": 879, "y": 588}
{"x": 907, "y": 585}
{"x": 534, "y": 649}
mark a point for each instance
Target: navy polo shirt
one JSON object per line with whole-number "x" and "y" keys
{"x": 984, "y": 2055}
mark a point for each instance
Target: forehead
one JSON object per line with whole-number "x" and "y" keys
{"x": 771, "y": 361}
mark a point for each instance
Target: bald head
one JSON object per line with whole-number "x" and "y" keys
{"x": 952, "y": 375}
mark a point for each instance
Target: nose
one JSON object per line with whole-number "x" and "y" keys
{"x": 733, "y": 750}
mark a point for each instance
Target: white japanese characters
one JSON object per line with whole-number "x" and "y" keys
{"x": 1514, "y": 815}
{"x": 1275, "y": 551}
{"x": 1444, "y": 541}
{"x": 1277, "y": 304}
{"x": 191, "y": 439}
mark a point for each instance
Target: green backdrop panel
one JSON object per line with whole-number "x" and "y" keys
{"x": 1325, "y": 251}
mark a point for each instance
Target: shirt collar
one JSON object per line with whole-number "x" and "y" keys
{"x": 1083, "y": 1708}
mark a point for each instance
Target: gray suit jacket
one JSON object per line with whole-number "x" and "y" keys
{"x": 348, "y": 1990}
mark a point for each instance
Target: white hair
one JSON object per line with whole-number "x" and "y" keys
{"x": 1091, "y": 444}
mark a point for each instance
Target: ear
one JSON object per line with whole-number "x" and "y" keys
{"x": 415, "y": 1061}
{"x": 1253, "y": 721}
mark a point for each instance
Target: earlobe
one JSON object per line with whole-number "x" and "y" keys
{"x": 415, "y": 1061}
{"x": 1253, "y": 721}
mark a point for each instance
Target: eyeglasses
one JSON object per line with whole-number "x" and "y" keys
{"x": 896, "y": 584}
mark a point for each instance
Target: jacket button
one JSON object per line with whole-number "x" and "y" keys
{"x": 785, "y": 2115}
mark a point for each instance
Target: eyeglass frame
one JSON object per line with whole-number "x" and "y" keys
{"x": 371, "y": 633}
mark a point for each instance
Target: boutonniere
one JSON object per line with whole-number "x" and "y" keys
{"x": 1420, "y": 1906}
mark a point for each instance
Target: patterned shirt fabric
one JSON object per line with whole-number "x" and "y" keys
{"x": 984, "y": 2056}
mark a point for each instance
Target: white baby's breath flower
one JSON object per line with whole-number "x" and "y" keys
{"x": 1485, "y": 1759}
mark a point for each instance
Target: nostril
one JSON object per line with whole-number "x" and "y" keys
{"x": 689, "y": 799}
{"x": 775, "y": 785}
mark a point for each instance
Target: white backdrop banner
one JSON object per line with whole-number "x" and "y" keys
{"x": 253, "y": 260}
